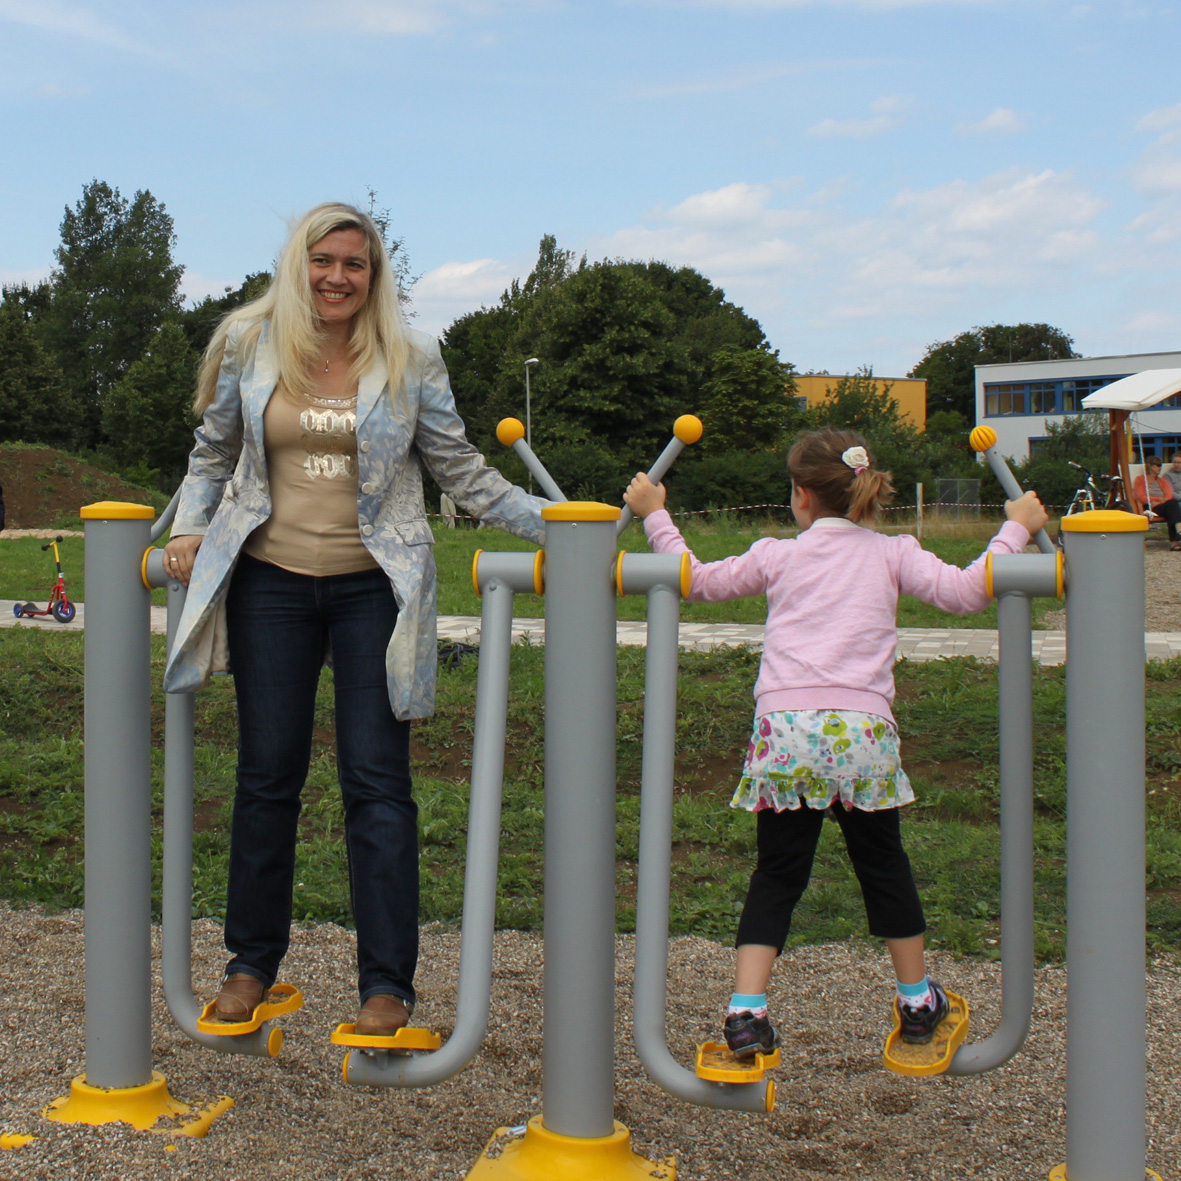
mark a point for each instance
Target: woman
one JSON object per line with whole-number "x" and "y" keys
{"x": 1156, "y": 493}
{"x": 302, "y": 535}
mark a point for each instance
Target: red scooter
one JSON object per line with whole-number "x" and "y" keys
{"x": 60, "y": 606}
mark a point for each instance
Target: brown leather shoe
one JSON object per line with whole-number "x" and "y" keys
{"x": 382, "y": 1016}
{"x": 240, "y": 995}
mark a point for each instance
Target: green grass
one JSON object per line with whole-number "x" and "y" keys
{"x": 947, "y": 716}
{"x": 710, "y": 539}
{"x": 28, "y": 573}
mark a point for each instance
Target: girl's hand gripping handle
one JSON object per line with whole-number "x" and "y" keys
{"x": 687, "y": 429}
{"x": 983, "y": 439}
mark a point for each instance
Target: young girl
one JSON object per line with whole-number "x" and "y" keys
{"x": 824, "y": 735}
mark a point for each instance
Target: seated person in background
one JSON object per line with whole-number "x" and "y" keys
{"x": 1156, "y": 493}
{"x": 1173, "y": 474}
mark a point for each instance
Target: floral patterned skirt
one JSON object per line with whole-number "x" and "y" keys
{"x": 814, "y": 757}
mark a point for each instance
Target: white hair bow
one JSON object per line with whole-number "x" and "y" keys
{"x": 856, "y": 458}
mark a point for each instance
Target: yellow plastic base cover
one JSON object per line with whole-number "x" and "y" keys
{"x": 534, "y": 1154}
{"x": 14, "y": 1140}
{"x": 716, "y": 1063}
{"x": 406, "y": 1041}
{"x": 935, "y": 1057}
{"x": 1058, "y": 1173}
{"x": 282, "y": 998}
{"x": 141, "y": 1107}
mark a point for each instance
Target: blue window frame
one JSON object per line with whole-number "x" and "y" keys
{"x": 1045, "y": 397}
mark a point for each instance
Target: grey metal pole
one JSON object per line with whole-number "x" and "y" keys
{"x": 687, "y": 429}
{"x": 579, "y": 990}
{"x": 1106, "y": 1071}
{"x": 510, "y": 432}
{"x": 497, "y": 575}
{"x": 1015, "y": 691}
{"x": 117, "y": 691}
{"x": 176, "y": 936}
{"x": 983, "y": 440}
{"x": 656, "y": 822}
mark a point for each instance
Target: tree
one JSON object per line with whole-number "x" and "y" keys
{"x": 747, "y": 401}
{"x": 857, "y": 403}
{"x": 1079, "y": 438}
{"x": 115, "y": 285}
{"x": 202, "y": 318}
{"x": 35, "y": 406}
{"x": 147, "y": 416}
{"x": 624, "y": 348}
{"x": 949, "y": 366}
{"x": 396, "y": 249}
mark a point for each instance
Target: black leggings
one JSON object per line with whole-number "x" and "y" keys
{"x": 786, "y": 846}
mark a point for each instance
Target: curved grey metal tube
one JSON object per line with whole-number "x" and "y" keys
{"x": 176, "y": 939}
{"x": 1015, "y": 682}
{"x": 479, "y": 887}
{"x": 656, "y": 473}
{"x": 162, "y": 522}
{"x": 652, "y": 892}
{"x": 1013, "y": 491}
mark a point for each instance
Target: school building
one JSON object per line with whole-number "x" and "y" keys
{"x": 1021, "y": 399}
{"x": 909, "y": 392}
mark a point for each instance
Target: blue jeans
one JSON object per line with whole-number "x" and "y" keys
{"x": 280, "y": 627}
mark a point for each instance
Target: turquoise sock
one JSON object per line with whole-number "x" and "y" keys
{"x": 741, "y": 1002}
{"x": 914, "y": 996}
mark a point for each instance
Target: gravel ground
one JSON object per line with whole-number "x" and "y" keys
{"x": 840, "y": 1114}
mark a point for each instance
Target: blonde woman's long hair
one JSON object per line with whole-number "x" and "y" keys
{"x": 379, "y": 332}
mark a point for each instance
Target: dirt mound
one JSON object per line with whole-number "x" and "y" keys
{"x": 44, "y": 488}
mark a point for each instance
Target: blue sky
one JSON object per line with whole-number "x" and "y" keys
{"x": 863, "y": 176}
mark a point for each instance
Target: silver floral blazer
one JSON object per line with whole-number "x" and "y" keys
{"x": 225, "y": 496}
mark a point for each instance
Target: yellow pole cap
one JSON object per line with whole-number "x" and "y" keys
{"x": 1105, "y": 520}
{"x": 116, "y": 510}
{"x": 580, "y": 510}
{"x": 982, "y": 438}
{"x": 509, "y": 430}
{"x": 688, "y": 428}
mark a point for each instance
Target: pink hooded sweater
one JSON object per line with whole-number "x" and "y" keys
{"x": 832, "y": 605}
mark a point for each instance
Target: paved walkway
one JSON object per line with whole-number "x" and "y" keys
{"x": 914, "y": 643}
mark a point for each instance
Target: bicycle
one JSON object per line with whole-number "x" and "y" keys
{"x": 59, "y": 606}
{"x": 1090, "y": 496}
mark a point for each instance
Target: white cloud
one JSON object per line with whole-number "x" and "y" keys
{"x": 456, "y": 288}
{"x": 395, "y": 18}
{"x": 16, "y": 278}
{"x": 884, "y": 114}
{"x": 52, "y": 16}
{"x": 195, "y": 287}
{"x": 1162, "y": 119}
{"x": 1003, "y": 120}
{"x": 773, "y": 5}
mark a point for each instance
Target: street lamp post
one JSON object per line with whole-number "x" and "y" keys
{"x": 529, "y": 412}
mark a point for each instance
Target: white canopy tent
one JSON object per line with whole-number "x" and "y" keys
{"x": 1121, "y": 399}
{"x": 1141, "y": 391}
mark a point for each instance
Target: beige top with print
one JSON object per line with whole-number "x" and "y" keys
{"x": 311, "y": 449}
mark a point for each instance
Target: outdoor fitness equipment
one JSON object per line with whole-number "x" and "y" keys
{"x": 59, "y": 605}
{"x": 576, "y": 1135}
{"x": 1101, "y": 567}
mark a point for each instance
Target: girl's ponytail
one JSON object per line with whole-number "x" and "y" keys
{"x": 837, "y": 469}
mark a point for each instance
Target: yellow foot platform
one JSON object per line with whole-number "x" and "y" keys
{"x": 934, "y": 1057}
{"x": 282, "y": 998}
{"x": 406, "y": 1041}
{"x": 533, "y": 1153}
{"x": 716, "y": 1063}
{"x": 1058, "y": 1173}
{"x": 141, "y": 1107}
